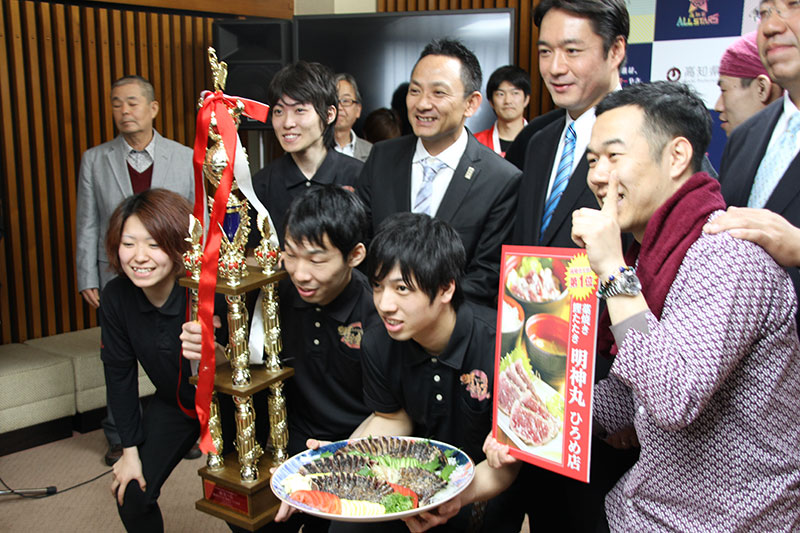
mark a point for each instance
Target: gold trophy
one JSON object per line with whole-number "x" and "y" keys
{"x": 236, "y": 487}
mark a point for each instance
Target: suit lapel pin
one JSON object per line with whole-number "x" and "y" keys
{"x": 469, "y": 173}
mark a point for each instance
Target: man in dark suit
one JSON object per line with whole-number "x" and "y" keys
{"x": 760, "y": 165}
{"x": 516, "y": 152}
{"x": 442, "y": 170}
{"x": 581, "y": 46}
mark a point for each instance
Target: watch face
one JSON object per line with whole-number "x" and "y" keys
{"x": 630, "y": 283}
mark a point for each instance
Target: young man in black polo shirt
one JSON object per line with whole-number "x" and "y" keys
{"x": 325, "y": 305}
{"x": 428, "y": 369}
{"x": 303, "y": 101}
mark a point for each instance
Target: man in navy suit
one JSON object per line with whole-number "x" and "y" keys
{"x": 581, "y": 47}
{"x": 442, "y": 170}
{"x": 760, "y": 166}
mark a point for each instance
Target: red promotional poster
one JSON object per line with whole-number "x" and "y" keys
{"x": 544, "y": 365}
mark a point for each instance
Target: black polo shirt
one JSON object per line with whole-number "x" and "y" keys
{"x": 448, "y": 397}
{"x": 280, "y": 182}
{"x": 323, "y": 344}
{"x": 133, "y": 330}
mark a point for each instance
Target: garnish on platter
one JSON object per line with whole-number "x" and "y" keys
{"x": 373, "y": 479}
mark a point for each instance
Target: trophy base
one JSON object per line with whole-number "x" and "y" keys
{"x": 226, "y": 496}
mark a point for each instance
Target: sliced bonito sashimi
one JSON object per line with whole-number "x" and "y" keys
{"x": 392, "y": 447}
{"x": 507, "y": 392}
{"x": 530, "y": 426}
{"x": 336, "y": 463}
{"x": 421, "y": 482}
{"x": 352, "y": 486}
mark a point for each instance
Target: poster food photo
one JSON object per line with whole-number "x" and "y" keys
{"x": 544, "y": 357}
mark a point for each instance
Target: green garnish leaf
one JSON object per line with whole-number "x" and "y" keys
{"x": 446, "y": 471}
{"x": 325, "y": 454}
{"x": 555, "y": 404}
{"x": 518, "y": 353}
{"x": 449, "y": 453}
{"x": 365, "y": 472}
{"x": 431, "y": 466}
{"x": 397, "y": 503}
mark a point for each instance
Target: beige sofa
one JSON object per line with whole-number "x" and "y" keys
{"x": 49, "y": 380}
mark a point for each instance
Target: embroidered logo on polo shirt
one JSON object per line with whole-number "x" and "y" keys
{"x": 351, "y": 335}
{"x": 477, "y": 384}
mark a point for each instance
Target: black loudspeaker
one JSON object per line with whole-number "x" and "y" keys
{"x": 254, "y": 50}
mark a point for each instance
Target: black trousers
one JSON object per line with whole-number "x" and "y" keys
{"x": 168, "y": 436}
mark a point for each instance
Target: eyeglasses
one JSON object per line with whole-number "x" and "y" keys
{"x": 347, "y": 102}
{"x": 783, "y": 8}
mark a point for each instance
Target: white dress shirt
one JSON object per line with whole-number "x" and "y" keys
{"x": 583, "y": 131}
{"x": 450, "y": 157}
{"x": 788, "y": 110}
{"x": 349, "y": 148}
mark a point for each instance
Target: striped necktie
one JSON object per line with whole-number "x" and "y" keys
{"x": 774, "y": 164}
{"x": 430, "y": 167}
{"x": 562, "y": 178}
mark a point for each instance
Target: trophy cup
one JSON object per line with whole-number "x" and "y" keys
{"x": 236, "y": 486}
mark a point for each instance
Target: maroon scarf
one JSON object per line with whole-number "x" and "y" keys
{"x": 675, "y": 226}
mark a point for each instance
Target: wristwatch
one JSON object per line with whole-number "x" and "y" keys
{"x": 625, "y": 282}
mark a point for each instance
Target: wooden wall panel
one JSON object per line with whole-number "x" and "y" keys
{"x": 59, "y": 62}
{"x": 525, "y": 55}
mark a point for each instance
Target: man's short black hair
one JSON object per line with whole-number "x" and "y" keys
{"x": 471, "y": 76}
{"x": 427, "y": 250}
{"x": 609, "y": 18}
{"x": 671, "y": 110}
{"x": 308, "y": 83}
{"x": 328, "y": 210}
{"x": 513, "y": 75}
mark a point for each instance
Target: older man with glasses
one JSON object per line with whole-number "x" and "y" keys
{"x": 347, "y": 142}
{"x": 760, "y": 166}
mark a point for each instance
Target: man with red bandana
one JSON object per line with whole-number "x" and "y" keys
{"x": 745, "y": 87}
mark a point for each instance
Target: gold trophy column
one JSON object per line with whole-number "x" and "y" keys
{"x": 240, "y": 495}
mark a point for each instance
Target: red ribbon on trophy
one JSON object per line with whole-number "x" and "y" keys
{"x": 218, "y": 104}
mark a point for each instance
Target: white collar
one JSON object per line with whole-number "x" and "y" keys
{"x": 789, "y": 108}
{"x": 352, "y": 143}
{"x": 450, "y": 156}
{"x": 150, "y": 148}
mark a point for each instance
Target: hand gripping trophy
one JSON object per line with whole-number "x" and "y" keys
{"x": 215, "y": 263}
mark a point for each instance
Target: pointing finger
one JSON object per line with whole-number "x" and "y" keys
{"x": 610, "y": 201}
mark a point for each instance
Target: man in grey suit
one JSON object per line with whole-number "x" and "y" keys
{"x": 137, "y": 159}
{"x": 349, "y": 110}
{"x": 442, "y": 170}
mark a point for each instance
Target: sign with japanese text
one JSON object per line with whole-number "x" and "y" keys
{"x": 544, "y": 364}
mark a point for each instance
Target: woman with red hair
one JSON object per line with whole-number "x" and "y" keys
{"x": 141, "y": 316}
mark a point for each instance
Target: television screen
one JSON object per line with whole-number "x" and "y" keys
{"x": 380, "y": 49}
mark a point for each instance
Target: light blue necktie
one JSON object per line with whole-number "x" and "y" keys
{"x": 774, "y": 164}
{"x": 430, "y": 167}
{"x": 562, "y": 178}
